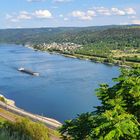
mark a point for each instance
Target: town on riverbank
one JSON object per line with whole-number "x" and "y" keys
{"x": 113, "y": 57}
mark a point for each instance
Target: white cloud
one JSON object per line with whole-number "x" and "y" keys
{"x": 88, "y": 15}
{"x": 114, "y": 11}
{"x": 24, "y": 15}
{"x": 66, "y": 19}
{"x": 35, "y": 0}
{"x": 130, "y": 11}
{"x": 136, "y": 21}
{"x": 122, "y": 12}
{"x": 103, "y": 11}
{"x": 124, "y": 23}
{"x": 91, "y": 13}
{"x": 61, "y": 15}
{"x": 62, "y": 1}
{"x": 42, "y": 14}
{"x": 132, "y": 17}
{"x": 118, "y": 12}
{"x": 18, "y": 27}
{"x": 14, "y": 20}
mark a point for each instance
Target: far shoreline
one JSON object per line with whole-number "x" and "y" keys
{"x": 80, "y": 57}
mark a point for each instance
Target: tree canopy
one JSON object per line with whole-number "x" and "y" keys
{"x": 118, "y": 116}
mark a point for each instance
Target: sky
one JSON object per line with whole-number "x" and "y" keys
{"x": 68, "y": 13}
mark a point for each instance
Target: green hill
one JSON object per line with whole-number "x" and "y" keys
{"x": 79, "y": 35}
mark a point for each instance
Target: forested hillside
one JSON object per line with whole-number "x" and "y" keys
{"x": 114, "y": 35}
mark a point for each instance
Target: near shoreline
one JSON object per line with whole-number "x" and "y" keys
{"x": 51, "y": 123}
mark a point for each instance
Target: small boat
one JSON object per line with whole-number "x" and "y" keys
{"x": 28, "y": 71}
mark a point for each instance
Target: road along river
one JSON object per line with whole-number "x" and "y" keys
{"x": 51, "y": 123}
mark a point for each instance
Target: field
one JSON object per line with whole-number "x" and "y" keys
{"x": 128, "y": 53}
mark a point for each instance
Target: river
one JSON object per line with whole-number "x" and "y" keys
{"x": 65, "y": 87}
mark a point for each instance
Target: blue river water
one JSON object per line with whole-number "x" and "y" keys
{"x": 65, "y": 87}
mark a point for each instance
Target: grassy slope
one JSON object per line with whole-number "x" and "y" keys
{"x": 2, "y": 137}
{"x": 52, "y": 133}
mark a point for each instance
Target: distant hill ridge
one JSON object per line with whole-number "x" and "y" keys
{"x": 79, "y": 35}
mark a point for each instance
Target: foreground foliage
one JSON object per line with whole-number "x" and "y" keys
{"x": 118, "y": 117}
{"x": 23, "y": 130}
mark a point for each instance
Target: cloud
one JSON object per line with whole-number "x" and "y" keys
{"x": 130, "y": 11}
{"x": 124, "y": 23}
{"x": 114, "y": 11}
{"x": 42, "y": 14}
{"x": 118, "y": 12}
{"x": 24, "y": 15}
{"x": 62, "y": 1}
{"x": 14, "y": 20}
{"x": 66, "y": 19}
{"x": 103, "y": 11}
{"x": 132, "y": 17}
{"x": 61, "y": 15}
{"x": 122, "y": 12}
{"x": 35, "y": 0}
{"x": 88, "y": 15}
{"x": 136, "y": 21}
{"x": 19, "y": 27}
{"x": 91, "y": 13}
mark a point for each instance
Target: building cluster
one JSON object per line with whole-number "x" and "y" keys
{"x": 61, "y": 47}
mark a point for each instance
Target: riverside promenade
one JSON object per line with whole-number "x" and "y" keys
{"x": 51, "y": 123}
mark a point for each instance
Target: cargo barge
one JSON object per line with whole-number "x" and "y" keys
{"x": 28, "y": 71}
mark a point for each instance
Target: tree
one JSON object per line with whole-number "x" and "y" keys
{"x": 118, "y": 117}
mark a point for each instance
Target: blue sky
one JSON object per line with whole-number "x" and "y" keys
{"x": 57, "y": 13}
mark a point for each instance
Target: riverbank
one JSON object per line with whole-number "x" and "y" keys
{"x": 7, "y": 101}
{"x": 51, "y": 123}
{"x": 99, "y": 60}
{"x": 10, "y": 117}
{"x": 95, "y": 59}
